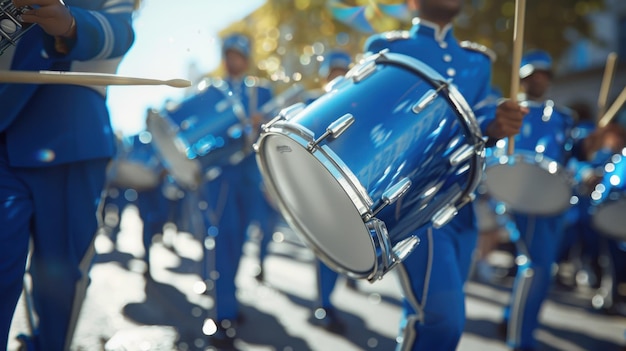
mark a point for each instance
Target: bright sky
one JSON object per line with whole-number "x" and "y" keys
{"x": 169, "y": 36}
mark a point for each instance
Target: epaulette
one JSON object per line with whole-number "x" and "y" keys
{"x": 470, "y": 45}
{"x": 394, "y": 35}
{"x": 253, "y": 81}
{"x": 565, "y": 110}
{"x": 207, "y": 81}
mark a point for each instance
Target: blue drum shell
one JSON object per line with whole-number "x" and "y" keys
{"x": 389, "y": 142}
{"x": 210, "y": 127}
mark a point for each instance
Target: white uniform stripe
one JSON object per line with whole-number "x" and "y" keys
{"x": 120, "y": 9}
{"x": 516, "y": 318}
{"x": 107, "y": 48}
{"x": 409, "y": 331}
{"x": 114, "y": 3}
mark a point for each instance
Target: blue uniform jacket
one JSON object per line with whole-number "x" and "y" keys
{"x": 467, "y": 65}
{"x": 56, "y": 124}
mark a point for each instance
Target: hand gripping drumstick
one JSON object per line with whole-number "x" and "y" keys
{"x": 606, "y": 83}
{"x": 612, "y": 111}
{"x": 80, "y": 78}
{"x": 518, "y": 42}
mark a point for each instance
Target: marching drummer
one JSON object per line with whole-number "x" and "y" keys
{"x": 538, "y": 237}
{"x": 234, "y": 196}
{"x": 53, "y": 160}
{"x": 433, "y": 276}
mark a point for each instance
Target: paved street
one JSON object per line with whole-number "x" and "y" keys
{"x": 123, "y": 312}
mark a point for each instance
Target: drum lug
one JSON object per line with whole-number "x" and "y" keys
{"x": 443, "y": 216}
{"x": 402, "y": 250}
{"x": 382, "y": 244}
{"x": 461, "y": 155}
{"x": 424, "y": 101}
{"x": 392, "y": 195}
{"x": 389, "y": 256}
{"x": 363, "y": 71}
{"x": 335, "y": 129}
{"x": 289, "y": 112}
{"x": 427, "y": 99}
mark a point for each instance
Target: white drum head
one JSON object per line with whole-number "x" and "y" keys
{"x": 610, "y": 218}
{"x": 186, "y": 172}
{"x": 316, "y": 205}
{"x": 528, "y": 188}
{"x": 133, "y": 175}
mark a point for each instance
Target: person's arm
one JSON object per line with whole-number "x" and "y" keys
{"x": 76, "y": 33}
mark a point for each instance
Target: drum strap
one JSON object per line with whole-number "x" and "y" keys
{"x": 215, "y": 214}
{"x": 409, "y": 334}
{"x": 253, "y": 108}
{"x": 520, "y": 296}
{"x": 253, "y": 101}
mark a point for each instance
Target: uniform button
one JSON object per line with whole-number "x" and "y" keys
{"x": 451, "y": 72}
{"x": 443, "y": 44}
{"x": 44, "y": 54}
{"x": 447, "y": 58}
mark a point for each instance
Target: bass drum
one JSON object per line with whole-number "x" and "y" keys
{"x": 389, "y": 149}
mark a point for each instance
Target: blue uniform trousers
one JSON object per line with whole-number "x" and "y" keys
{"x": 432, "y": 279}
{"x": 225, "y": 225}
{"x": 155, "y": 210}
{"x": 326, "y": 281}
{"x": 234, "y": 200}
{"x": 62, "y": 238}
{"x": 540, "y": 240}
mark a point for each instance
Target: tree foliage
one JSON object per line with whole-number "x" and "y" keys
{"x": 291, "y": 36}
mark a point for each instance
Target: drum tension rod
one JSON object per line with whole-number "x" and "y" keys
{"x": 428, "y": 98}
{"x": 335, "y": 129}
{"x": 392, "y": 195}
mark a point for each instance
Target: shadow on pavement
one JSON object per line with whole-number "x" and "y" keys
{"x": 262, "y": 329}
{"x": 166, "y": 305}
{"x": 489, "y": 330}
{"x": 356, "y": 332}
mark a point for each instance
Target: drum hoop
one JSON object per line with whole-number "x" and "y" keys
{"x": 164, "y": 130}
{"x": 299, "y": 136}
{"x": 531, "y": 158}
{"x": 333, "y": 163}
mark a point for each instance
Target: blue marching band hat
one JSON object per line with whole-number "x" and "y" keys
{"x": 335, "y": 59}
{"x": 237, "y": 42}
{"x": 536, "y": 60}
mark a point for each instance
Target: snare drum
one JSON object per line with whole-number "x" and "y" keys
{"x": 389, "y": 149}
{"x": 206, "y": 130}
{"x": 136, "y": 165}
{"x": 608, "y": 200}
{"x": 533, "y": 180}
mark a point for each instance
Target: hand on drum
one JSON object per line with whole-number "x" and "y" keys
{"x": 51, "y": 15}
{"x": 612, "y": 137}
{"x": 508, "y": 121}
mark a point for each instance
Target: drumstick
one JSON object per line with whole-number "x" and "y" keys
{"x": 606, "y": 82}
{"x": 82, "y": 78}
{"x": 612, "y": 111}
{"x": 518, "y": 42}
